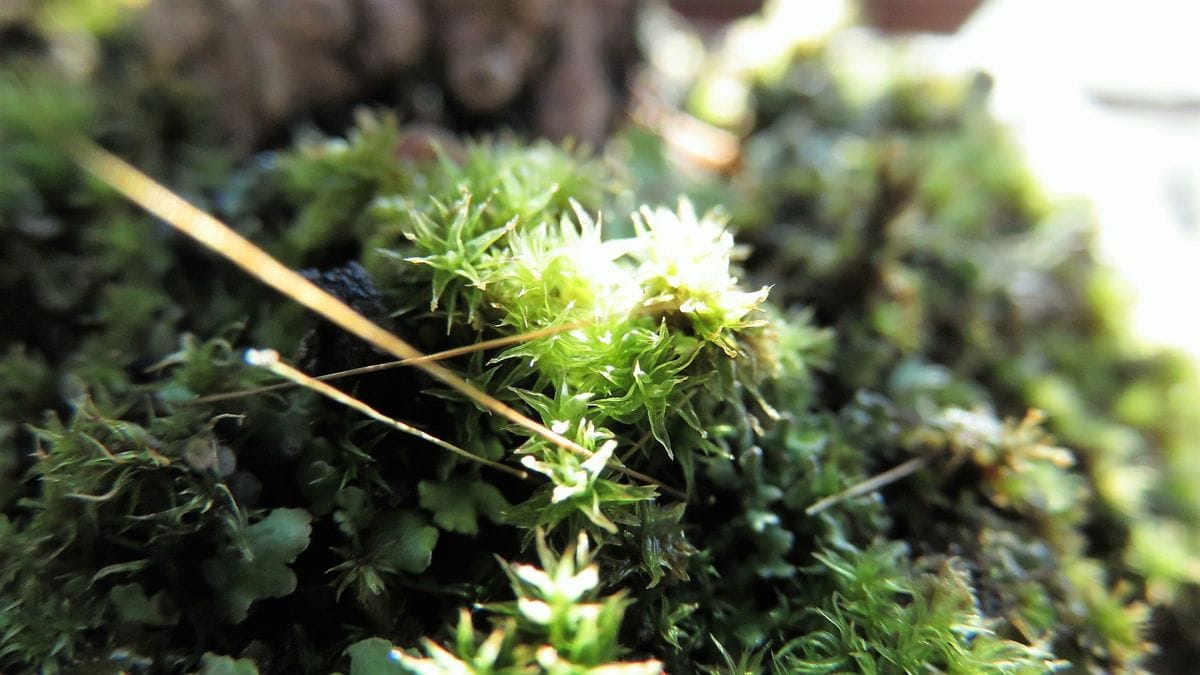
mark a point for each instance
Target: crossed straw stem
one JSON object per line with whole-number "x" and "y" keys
{"x": 206, "y": 229}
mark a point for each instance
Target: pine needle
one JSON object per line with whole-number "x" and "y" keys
{"x": 871, "y": 484}
{"x": 206, "y": 229}
{"x": 389, "y": 365}
{"x": 269, "y": 359}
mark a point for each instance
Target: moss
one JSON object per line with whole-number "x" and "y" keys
{"x": 908, "y": 300}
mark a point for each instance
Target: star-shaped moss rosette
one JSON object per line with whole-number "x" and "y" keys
{"x": 687, "y": 262}
{"x": 557, "y": 624}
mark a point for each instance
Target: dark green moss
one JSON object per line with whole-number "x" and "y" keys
{"x": 933, "y": 300}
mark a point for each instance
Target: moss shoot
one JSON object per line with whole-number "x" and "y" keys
{"x": 863, "y": 403}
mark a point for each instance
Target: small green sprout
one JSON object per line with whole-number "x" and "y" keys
{"x": 571, "y": 481}
{"x": 928, "y": 297}
{"x": 556, "y": 625}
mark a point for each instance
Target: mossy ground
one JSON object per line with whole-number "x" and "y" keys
{"x": 913, "y": 300}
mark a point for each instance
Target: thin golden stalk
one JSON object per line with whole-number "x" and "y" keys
{"x": 436, "y": 356}
{"x": 204, "y": 228}
{"x": 269, "y": 359}
{"x": 876, "y": 482}
{"x": 375, "y": 368}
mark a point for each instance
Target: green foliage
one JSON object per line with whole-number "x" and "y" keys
{"x": 394, "y": 543}
{"x": 255, "y": 565}
{"x": 934, "y": 303}
{"x": 577, "y": 489}
{"x": 905, "y": 220}
{"x": 884, "y": 618}
{"x": 547, "y": 266}
{"x": 335, "y": 180}
{"x": 111, "y": 473}
{"x": 457, "y": 504}
{"x": 373, "y": 655}
{"x": 213, "y": 664}
{"x": 556, "y": 625}
{"x": 36, "y": 104}
{"x": 685, "y": 261}
{"x": 114, "y": 501}
{"x": 1024, "y": 470}
{"x": 134, "y": 607}
{"x": 455, "y": 252}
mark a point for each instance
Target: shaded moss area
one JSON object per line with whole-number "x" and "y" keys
{"x": 916, "y": 307}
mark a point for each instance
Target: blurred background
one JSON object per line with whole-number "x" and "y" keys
{"x": 1103, "y": 99}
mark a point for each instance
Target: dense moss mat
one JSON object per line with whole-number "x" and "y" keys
{"x": 916, "y": 303}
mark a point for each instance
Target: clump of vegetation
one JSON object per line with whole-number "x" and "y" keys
{"x": 916, "y": 309}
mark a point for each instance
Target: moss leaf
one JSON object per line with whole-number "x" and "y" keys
{"x": 457, "y": 504}
{"x": 271, "y": 544}
{"x": 403, "y": 541}
{"x": 213, "y": 664}
{"x": 133, "y": 606}
{"x": 371, "y": 657}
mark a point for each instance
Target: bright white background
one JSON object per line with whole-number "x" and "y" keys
{"x": 1104, "y": 98}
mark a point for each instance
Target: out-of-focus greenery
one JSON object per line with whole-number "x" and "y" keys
{"x": 914, "y": 302}
{"x": 897, "y": 211}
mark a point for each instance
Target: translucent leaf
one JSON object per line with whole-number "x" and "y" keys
{"x": 273, "y": 543}
{"x": 403, "y": 541}
{"x": 213, "y": 664}
{"x": 457, "y": 504}
{"x": 373, "y": 656}
{"x": 133, "y": 606}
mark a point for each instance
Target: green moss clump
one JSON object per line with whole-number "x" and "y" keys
{"x": 915, "y": 305}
